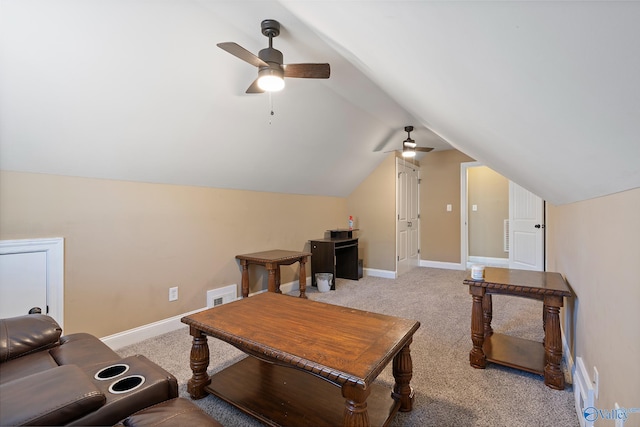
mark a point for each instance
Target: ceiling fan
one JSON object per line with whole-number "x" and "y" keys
{"x": 271, "y": 70}
{"x": 409, "y": 146}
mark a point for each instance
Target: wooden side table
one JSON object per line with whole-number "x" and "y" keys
{"x": 511, "y": 351}
{"x": 272, "y": 260}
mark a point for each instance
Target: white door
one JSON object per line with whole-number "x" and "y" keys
{"x": 526, "y": 229}
{"x": 23, "y": 283}
{"x": 32, "y": 275}
{"x": 408, "y": 214}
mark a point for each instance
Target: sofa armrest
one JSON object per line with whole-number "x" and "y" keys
{"x": 53, "y": 397}
{"x": 27, "y": 334}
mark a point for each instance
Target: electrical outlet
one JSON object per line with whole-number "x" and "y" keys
{"x": 596, "y": 381}
{"x": 173, "y": 293}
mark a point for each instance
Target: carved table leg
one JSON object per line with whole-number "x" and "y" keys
{"x": 487, "y": 314}
{"x": 553, "y": 375}
{"x": 303, "y": 277}
{"x": 355, "y": 411}
{"x": 477, "y": 357}
{"x": 273, "y": 270}
{"x": 199, "y": 363}
{"x": 544, "y": 325}
{"x": 245, "y": 278}
{"x": 278, "y": 291}
{"x": 402, "y": 372}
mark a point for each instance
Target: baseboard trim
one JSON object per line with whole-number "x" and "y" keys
{"x": 489, "y": 261}
{"x": 441, "y": 264}
{"x": 151, "y": 330}
{"x": 387, "y": 274}
{"x": 286, "y": 288}
{"x": 566, "y": 354}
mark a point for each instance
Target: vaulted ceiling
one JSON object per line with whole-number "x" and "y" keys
{"x": 546, "y": 93}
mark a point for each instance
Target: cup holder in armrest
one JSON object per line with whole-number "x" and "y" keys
{"x": 112, "y": 371}
{"x": 126, "y": 384}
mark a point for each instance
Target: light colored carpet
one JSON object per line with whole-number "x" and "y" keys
{"x": 448, "y": 391}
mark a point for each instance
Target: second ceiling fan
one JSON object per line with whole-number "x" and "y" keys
{"x": 409, "y": 146}
{"x": 271, "y": 70}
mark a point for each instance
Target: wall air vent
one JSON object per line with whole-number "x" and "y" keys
{"x": 219, "y": 296}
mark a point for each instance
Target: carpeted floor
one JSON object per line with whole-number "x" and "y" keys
{"x": 448, "y": 392}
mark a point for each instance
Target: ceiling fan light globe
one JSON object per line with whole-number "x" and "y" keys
{"x": 408, "y": 153}
{"x": 270, "y": 80}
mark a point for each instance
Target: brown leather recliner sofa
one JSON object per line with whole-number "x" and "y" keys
{"x": 49, "y": 379}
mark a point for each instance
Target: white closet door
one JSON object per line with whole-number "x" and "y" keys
{"x": 526, "y": 229}
{"x": 23, "y": 283}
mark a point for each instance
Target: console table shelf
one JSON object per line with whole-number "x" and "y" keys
{"x": 515, "y": 352}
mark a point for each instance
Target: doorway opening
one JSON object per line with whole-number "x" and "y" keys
{"x": 502, "y": 224}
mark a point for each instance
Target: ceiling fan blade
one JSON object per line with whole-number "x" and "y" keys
{"x": 242, "y": 53}
{"x": 254, "y": 88}
{"x": 425, "y": 149}
{"x": 307, "y": 71}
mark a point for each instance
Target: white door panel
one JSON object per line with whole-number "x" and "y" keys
{"x": 32, "y": 275}
{"x": 23, "y": 283}
{"x": 408, "y": 217}
{"x": 526, "y": 229}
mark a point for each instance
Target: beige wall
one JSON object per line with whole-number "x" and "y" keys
{"x": 439, "y": 229}
{"x": 595, "y": 244}
{"x": 126, "y": 243}
{"x": 372, "y": 204}
{"x": 489, "y": 191}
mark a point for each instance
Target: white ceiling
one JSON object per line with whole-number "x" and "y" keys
{"x": 546, "y": 93}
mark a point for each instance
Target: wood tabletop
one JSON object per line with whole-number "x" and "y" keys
{"x": 273, "y": 255}
{"x": 338, "y": 343}
{"x": 522, "y": 281}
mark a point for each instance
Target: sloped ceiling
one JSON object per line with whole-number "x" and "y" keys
{"x": 546, "y": 93}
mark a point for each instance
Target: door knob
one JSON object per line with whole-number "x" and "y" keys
{"x": 539, "y": 226}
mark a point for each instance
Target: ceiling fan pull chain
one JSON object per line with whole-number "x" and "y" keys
{"x": 270, "y": 107}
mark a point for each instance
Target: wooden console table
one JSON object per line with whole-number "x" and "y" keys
{"x": 511, "y": 351}
{"x": 303, "y": 370}
{"x": 272, "y": 260}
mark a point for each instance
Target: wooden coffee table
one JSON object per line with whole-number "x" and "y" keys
{"x": 535, "y": 357}
{"x": 312, "y": 363}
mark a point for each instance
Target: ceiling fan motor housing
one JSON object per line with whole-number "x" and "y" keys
{"x": 271, "y": 55}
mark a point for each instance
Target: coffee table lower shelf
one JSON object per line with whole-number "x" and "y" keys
{"x": 515, "y": 352}
{"x": 281, "y": 396}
